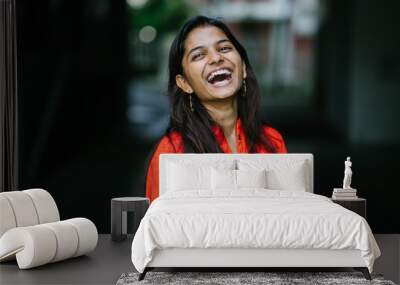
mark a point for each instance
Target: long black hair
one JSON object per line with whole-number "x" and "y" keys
{"x": 196, "y": 126}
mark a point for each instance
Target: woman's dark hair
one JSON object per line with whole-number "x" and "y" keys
{"x": 196, "y": 126}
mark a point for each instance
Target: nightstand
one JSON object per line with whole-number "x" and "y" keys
{"x": 119, "y": 209}
{"x": 358, "y": 205}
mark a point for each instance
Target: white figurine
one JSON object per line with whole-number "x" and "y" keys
{"x": 347, "y": 174}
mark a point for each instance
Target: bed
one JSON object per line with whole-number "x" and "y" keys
{"x": 245, "y": 211}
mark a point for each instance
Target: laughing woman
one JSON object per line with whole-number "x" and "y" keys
{"x": 214, "y": 96}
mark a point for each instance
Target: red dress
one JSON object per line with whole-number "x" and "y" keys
{"x": 174, "y": 144}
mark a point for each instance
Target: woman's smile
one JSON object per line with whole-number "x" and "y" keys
{"x": 220, "y": 77}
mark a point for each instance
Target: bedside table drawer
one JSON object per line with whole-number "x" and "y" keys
{"x": 358, "y": 206}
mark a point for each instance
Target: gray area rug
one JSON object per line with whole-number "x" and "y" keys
{"x": 273, "y": 278}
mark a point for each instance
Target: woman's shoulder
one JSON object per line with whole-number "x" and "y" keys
{"x": 275, "y": 137}
{"x": 272, "y": 132}
{"x": 171, "y": 142}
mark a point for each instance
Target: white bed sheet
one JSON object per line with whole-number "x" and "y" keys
{"x": 251, "y": 218}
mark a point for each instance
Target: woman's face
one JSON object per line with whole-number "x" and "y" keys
{"x": 212, "y": 67}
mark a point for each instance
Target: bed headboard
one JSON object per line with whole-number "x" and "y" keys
{"x": 288, "y": 166}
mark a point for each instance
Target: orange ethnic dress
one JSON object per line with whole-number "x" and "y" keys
{"x": 174, "y": 144}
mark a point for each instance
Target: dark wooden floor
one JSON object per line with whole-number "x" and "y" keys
{"x": 110, "y": 260}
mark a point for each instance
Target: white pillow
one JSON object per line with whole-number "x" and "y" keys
{"x": 223, "y": 179}
{"x": 226, "y": 179}
{"x": 181, "y": 177}
{"x": 281, "y": 174}
{"x": 251, "y": 178}
{"x": 290, "y": 179}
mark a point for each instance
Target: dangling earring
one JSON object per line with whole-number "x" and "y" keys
{"x": 244, "y": 93}
{"x": 191, "y": 103}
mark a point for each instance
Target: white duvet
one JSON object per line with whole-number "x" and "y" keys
{"x": 252, "y": 218}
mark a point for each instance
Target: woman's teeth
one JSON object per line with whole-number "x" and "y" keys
{"x": 219, "y": 75}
